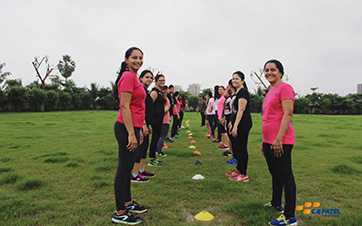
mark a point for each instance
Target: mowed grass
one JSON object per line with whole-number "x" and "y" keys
{"x": 57, "y": 168}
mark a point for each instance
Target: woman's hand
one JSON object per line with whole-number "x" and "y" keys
{"x": 141, "y": 137}
{"x": 278, "y": 148}
{"x": 234, "y": 131}
{"x": 229, "y": 127}
{"x": 132, "y": 143}
{"x": 222, "y": 121}
{"x": 145, "y": 130}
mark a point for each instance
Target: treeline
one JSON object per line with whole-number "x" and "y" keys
{"x": 65, "y": 95}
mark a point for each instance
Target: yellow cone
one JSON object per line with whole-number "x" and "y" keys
{"x": 204, "y": 216}
{"x": 192, "y": 147}
{"x": 188, "y": 131}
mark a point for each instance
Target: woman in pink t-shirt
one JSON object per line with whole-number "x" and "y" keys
{"x": 278, "y": 141}
{"x": 127, "y": 129}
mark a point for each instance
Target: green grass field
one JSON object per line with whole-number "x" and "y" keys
{"x": 57, "y": 168}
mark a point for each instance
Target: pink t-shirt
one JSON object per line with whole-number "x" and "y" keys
{"x": 178, "y": 107}
{"x": 166, "y": 118}
{"x": 273, "y": 114}
{"x": 130, "y": 83}
{"x": 220, "y": 107}
{"x": 209, "y": 105}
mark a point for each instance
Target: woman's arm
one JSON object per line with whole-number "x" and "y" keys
{"x": 154, "y": 96}
{"x": 242, "y": 105}
{"x": 277, "y": 145}
{"x": 127, "y": 118}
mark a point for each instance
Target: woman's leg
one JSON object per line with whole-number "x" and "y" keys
{"x": 156, "y": 132}
{"x": 174, "y": 126}
{"x": 276, "y": 181}
{"x": 122, "y": 181}
{"x": 242, "y": 146}
{"x": 161, "y": 141}
{"x": 284, "y": 169}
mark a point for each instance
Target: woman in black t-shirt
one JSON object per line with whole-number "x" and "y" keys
{"x": 157, "y": 117}
{"x": 239, "y": 127}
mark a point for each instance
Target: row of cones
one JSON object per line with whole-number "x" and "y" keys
{"x": 203, "y": 215}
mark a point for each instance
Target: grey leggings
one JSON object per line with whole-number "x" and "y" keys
{"x": 161, "y": 141}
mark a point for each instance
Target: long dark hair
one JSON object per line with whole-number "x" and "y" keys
{"x": 242, "y": 77}
{"x": 123, "y": 68}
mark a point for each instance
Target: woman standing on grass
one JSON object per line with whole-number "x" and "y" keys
{"x": 157, "y": 117}
{"x": 278, "y": 141}
{"x": 221, "y": 128}
{"x": 165, "y": 125}
{"x": 176, "y": 114}
{"x": 210, "y": 115}
{"x": 226, "y": 118}
{"x": 239, "y": 127}
{"x": 139, "y": 171}
{"x": 127, "y": 130}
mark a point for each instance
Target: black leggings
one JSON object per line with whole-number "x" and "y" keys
{"x": 210, "y": 119}
{"x": 174, "y": 126}
{"x": 122, "y": 181}
{"x": 156, "y": 133}
{"x": 142, "y": 152}
{"x": 282, "y": 175}
{"x": 240, "y": 148}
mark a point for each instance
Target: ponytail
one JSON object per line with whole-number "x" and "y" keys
{"x": 122, "y": 69}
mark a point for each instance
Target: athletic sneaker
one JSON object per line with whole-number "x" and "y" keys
{"x": 134, "y": 207}
{"x": 211, "y": 137}
{"x": 154, "y": 163}
{"x": 145, "y": 173}
{"x": 167, "y": 139}
{"x": 126, "y": 218}
{"x": 282, "y": 220}
{"x": 277, "y": 208}
{"x": 161, "y": 153}
{"x": 240, "y": 177}
{"x": 232, "y": 161}
{"x": 217, "y": 140}
{"x": 234, "y": 172}
{"x": 223, "y": 147}
{"x": 174, "y": 137}
{"x": 227, "y": 153}
{"x": 208, "y": 134}
{"x": 166, "y": 146}
{"x": 139, "y": 179}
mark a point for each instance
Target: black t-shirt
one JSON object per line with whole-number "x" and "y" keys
{"x": 246, "y": 118}
{"x": 149, "y": 107}
{"x": 158, "y": 110}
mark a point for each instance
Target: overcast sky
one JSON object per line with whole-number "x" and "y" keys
{"x": 190, "y": 41}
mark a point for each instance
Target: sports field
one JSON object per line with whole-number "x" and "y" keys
{"x": 57, "y": 168}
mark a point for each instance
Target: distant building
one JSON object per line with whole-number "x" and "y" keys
{"x": 194, "y": 89}
{"x": 177, "y": 88}
{"x": 359, "y": 88}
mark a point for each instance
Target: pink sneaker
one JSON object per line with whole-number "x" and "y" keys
{"x": 240, "y": 178}
{"x": 208, "y": 134}
{"x": 235, "y": 172}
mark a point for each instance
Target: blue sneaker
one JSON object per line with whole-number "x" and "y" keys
{"x": 277, "y": 208}
{"x": 174, "y": 137}
{"x": 282, "y": 220}
{"x": 232, "y": 161}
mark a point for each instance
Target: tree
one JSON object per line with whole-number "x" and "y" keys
{"x": 66, "y": 67}
{"x": 37, "y": 99}
{"x": 64, "y": 101}
{"x": 18, "y": 96}
{"x": 51, "y": 100}
{"x": 37, "y": 65}
{"x": 94, "y": 93}
{"x": 3, "y": 75}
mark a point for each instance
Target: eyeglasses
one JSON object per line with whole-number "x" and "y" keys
{"x": 161, "y": 80}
